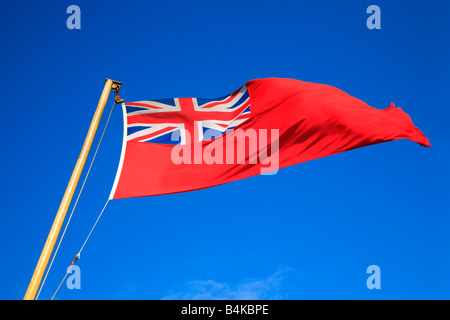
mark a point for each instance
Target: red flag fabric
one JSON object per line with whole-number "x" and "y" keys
{"x": 177, "y": 145}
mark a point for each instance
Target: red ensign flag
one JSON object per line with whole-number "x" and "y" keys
{"x": 183, "y": 144}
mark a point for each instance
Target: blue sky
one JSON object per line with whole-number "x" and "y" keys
{"x": 308, "y": 232}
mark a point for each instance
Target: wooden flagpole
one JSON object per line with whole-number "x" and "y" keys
{"x": 67, "y": 198}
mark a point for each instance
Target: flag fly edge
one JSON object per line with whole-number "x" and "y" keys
{"x": 122, "y": 155}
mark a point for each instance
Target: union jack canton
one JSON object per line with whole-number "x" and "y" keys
{"x": 181, "y": 120}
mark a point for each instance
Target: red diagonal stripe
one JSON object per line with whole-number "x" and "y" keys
{"x": 152, "y": 134}
{"x": 135, "y": 104}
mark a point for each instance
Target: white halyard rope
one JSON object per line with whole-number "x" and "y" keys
{"x": 73, "y": 209}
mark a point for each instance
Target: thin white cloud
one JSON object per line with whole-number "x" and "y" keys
{"x": 250, "y": 289}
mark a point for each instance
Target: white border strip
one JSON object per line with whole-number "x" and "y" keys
{"x": 122, "y": 155}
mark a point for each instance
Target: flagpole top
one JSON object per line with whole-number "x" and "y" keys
{"x": 115, "y": 84}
